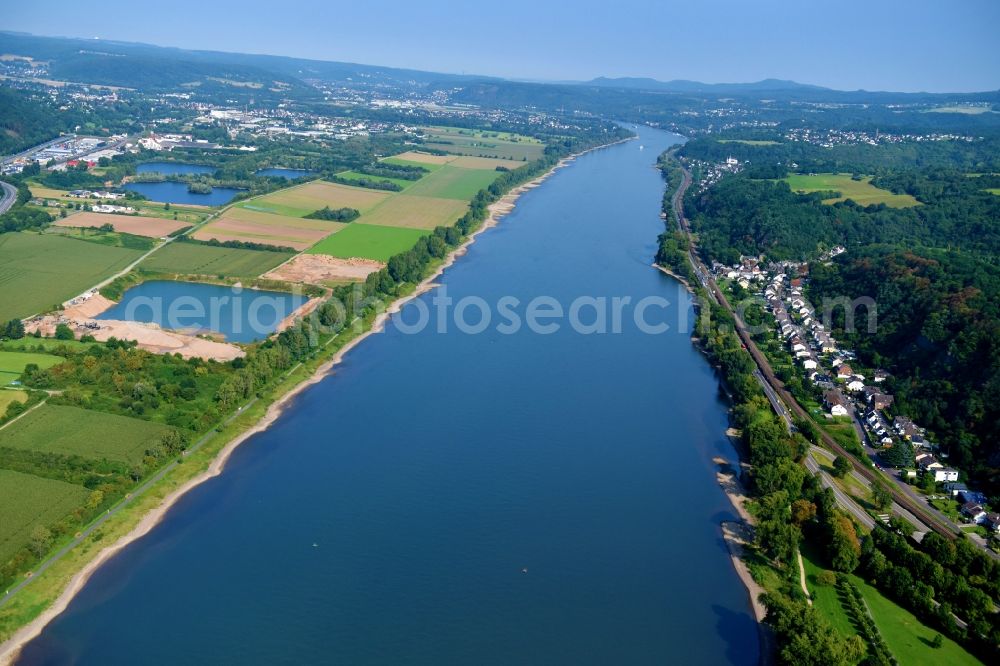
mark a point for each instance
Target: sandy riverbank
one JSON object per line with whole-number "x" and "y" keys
{"x": 12, "y": 646}
{"x": 738, "y": 535}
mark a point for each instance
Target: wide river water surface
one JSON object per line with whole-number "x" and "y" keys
{"x": 450, "y": 497}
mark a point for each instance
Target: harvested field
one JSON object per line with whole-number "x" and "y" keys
{"x": 153, "y": 227}
{"x": 451, "y": 182}
{"x": 305, "y": 199}
{"x": 281, "y": 230}
{"x": 415, "y": 212}
{"x": 321, "y": 268}
{"x": 421, "y": 158}
{"x": 485, "y": 163}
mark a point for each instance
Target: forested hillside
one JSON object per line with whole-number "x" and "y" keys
{"x": 932, "y": 268}
{"x": 939, "y": 334}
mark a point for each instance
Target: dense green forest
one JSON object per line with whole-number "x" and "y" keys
{"x": 939, "y": 334}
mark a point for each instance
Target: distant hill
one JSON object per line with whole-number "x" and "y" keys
{"x": 681, "y": 85}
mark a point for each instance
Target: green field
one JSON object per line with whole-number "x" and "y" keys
{"x": 27, "y": 501}
{"x": 906, "y": 637}
{"x": 12, "y": 364}
{"x": 483, "y": 144}
{"x": 410, "y": 212}
{"x": 994, "y": 190}
{"x": 197, "y": 259}
{"x": 74, "y": 431}
{"x": 860, "y": 191}
{"x": 39, "y": 271}
{"x": 355, "y": 176}
{"x": 368, "y": 241}
{"x": 9, "y": 396}
{"x": 404, "y": 162}
{"x": 450, "y": 182}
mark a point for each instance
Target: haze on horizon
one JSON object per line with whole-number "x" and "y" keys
{"x": 922, "y": 45}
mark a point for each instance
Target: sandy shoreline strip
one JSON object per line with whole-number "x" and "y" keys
{"x": 10, "y": 648}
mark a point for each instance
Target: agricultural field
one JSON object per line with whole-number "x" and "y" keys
{"x": 302, "y": 200}
{"x": 137, "y": 225}
{"x": 180, "y": 212}
{"x": 413, "y": 212}
{"x": 860, "y": 191}
{"x": 368, "y": 241}
{"x": 38, "y": 271}
{"x": 994, "y": 190}
{"x": 12, "y": 364}
{"x": 243, "y": 224}
{"x": 9, "y": 396}
{"x": 483, "y": 144}
{"x": 71, "y": 431}
{"x": 198, "y": 259}
{"x": 414, "y": 158}
{"x": 355, "y": 176}
{"x": 452, "y": 182}
{"x": 27, "y": 501}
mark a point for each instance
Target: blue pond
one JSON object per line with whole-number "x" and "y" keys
{"x": 173, "y": 168}
{"x": 177, "y": 193}
{"x": 241, "y": 315}
{"x": 290, "y": 174}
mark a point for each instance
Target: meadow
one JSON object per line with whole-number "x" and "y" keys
{"x": 72, "y": 431}
{"x": 452, "y": 182}
{"x": 483, "y": 144}
{"x": 199, "y": 259}
{"x": 38, "y": 271}
{"x": 368, "y": 241}
{"x": 907, "y": 638}
{"x": 9, "y": 396}
{"x": 860, "y": 191}
{"x": 27, "y": 501}
{"x": 302, "y": 200}
{"x": 12, "y": 364}
{"x": 355, "y": 175}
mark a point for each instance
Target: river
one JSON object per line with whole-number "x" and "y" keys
{"x": 458, "y": 498}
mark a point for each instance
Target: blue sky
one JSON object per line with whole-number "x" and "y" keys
{"x": 904, "y": 45}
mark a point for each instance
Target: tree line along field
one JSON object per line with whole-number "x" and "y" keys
{"x": 73, "y": 431}
{"x": 860, "y": 191}
{"x": 38, "y": 271}
{"x": 28, "y": 501}
{"x": 907, "y": 638}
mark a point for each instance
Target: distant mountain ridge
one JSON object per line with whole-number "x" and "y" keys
{"x": 682, "y": 85}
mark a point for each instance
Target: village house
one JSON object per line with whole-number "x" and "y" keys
{"x": 836, "y": 403}
{"x": 992, "y": 522}
{"x": 973, "y": 511}
{"x": 855, "y": 385}
{"x": 945, "y": 474}
{"x": 844, "y": 371}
